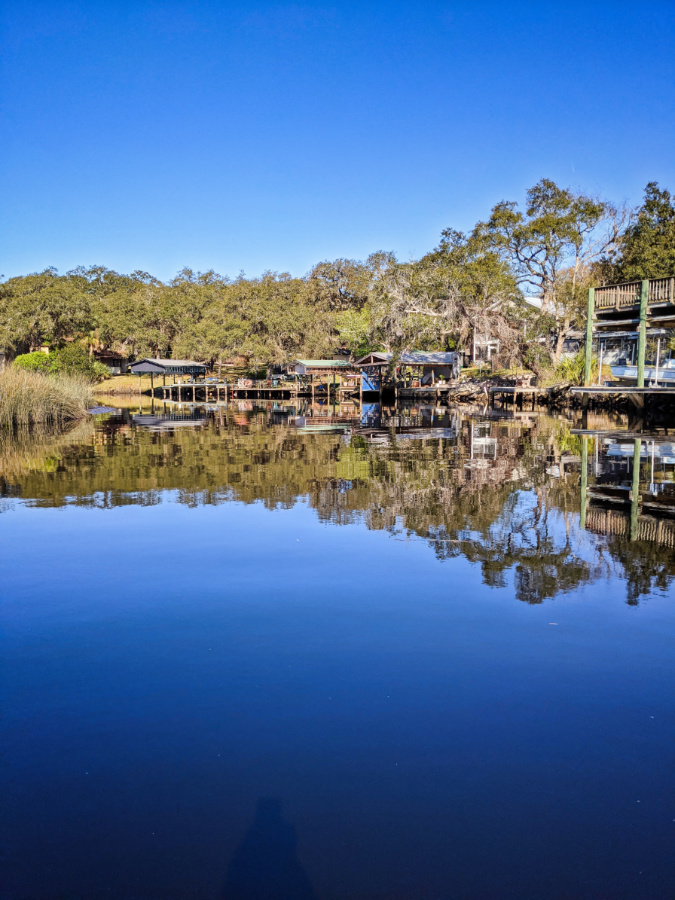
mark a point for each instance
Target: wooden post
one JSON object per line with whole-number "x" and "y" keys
{"x": 635, "y": 489}
{"x": 584, "y": 480}
{"x": 152, "y": 385}
{"x": 642, "y": 333}
{"x": 589, "y": 337}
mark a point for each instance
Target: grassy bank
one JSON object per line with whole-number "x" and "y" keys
{"x": 123, "y": 385}
{"x": 29, "y": 398}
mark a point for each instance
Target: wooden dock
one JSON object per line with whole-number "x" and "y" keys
{"x": 629, "y": 390}
{"x": 244, "y": 389}
{"x": 517, "y": 394}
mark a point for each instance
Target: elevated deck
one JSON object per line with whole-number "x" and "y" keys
{"x": 616, "y": 298}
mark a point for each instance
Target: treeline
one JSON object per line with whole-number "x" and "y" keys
{"x": 472, "y": 284}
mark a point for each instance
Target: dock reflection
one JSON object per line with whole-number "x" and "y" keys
{"x": 505, "y": 493}
{"x": 631, "y": 492}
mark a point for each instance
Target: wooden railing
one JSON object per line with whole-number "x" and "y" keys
{"x": 620, "y": 296}
{"x": 662, "y": 290}
{"x": 617, "y": 296}
{"x": 613, "y": 522}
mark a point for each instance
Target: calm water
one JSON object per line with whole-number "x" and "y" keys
{"x": 259, "y": 654}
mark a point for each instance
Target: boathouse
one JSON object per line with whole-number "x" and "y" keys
{"x": 426, "y": 367}
{"x": 165, "y": 367}
{"x": 323, "y": 368}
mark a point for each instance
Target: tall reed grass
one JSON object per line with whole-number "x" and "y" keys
{"x": 30, "y": 398}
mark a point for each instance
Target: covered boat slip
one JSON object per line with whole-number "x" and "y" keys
{"x": 306, "y": 378}
{"x": 174, "y": 368}
{"x": 414, "y": 373}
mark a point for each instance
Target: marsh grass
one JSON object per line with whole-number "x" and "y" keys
{"x": 30, "y": 398}
{"x": 39, "y": 448}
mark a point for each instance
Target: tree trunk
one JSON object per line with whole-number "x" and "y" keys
{"x": 560, "y": 340}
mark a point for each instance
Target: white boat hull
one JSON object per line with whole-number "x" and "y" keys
{"x": 664, "y": 375}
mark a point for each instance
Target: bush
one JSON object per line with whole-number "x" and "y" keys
{"x": 29, "y": 398}
{"x": 572, "y": 369}
{"x": 72, "y": 359}
{"x": 34, "y": 362}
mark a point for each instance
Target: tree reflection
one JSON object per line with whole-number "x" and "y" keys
{"x": 503, "y": 495}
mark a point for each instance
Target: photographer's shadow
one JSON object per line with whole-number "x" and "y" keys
{"x": 265, "y": 866}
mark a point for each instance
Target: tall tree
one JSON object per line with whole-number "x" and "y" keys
{"x": 558, "y": 236}
{"x": 43, "y": 308}
{"x": 460, "y": 290}
{"x": 647, "y": 247}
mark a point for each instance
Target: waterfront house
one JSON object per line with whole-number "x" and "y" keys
{"x": 114, "y": 362}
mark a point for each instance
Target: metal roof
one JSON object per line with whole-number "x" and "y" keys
{"x": 651, "y": 332}
{"x": 414, "y": 358}
{"x": 179, "y": 366}
{"x": 324, "y": 363}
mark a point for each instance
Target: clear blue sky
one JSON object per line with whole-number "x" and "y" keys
{"x": 157, "y": 135}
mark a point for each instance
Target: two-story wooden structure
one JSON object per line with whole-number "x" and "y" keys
{"x": 623, "y": 316}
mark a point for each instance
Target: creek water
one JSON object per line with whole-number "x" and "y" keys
{"x": 263, "y": 652}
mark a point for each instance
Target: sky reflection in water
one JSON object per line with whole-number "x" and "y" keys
{"x": 211, "y": 685}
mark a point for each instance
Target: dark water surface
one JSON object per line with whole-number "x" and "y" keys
{"x": 255, "y": 654}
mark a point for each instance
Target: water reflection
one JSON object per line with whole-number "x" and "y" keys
{"x": 555, "y": 506}
{"x": 171, "y": 650}
{"x": 630, "y": 499}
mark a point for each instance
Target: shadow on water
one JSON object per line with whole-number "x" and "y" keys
{"x": 265, "y": 865}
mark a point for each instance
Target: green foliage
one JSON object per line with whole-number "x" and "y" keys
{"x": 37, "y": 361}
{"x": 43, "y": 308}
{"x": 647, "y": 248}
{"x": 551, "y": 246}
{"x": 470, "y": 286}
{"x": 71, "y": 359}
{"x": 571, "y": 369}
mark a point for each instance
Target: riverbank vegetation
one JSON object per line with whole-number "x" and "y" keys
{"x": 31, "y": 398}
{"x": 520, "y": 276}
{"x": 71, "y": 359}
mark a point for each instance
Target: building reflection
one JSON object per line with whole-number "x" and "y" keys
{"x": 632, "y": 489}
{"x": 505, "y": 493}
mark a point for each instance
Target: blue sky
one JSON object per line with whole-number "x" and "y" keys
{"x": 157, "y": 135}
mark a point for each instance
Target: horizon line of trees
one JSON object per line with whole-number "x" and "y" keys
{"x": 477, "y": 284}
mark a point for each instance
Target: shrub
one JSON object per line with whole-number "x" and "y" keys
{"x": 72, "y": 359}
{"x": 34, "y": 362}
{"x": 572, "y": 369}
